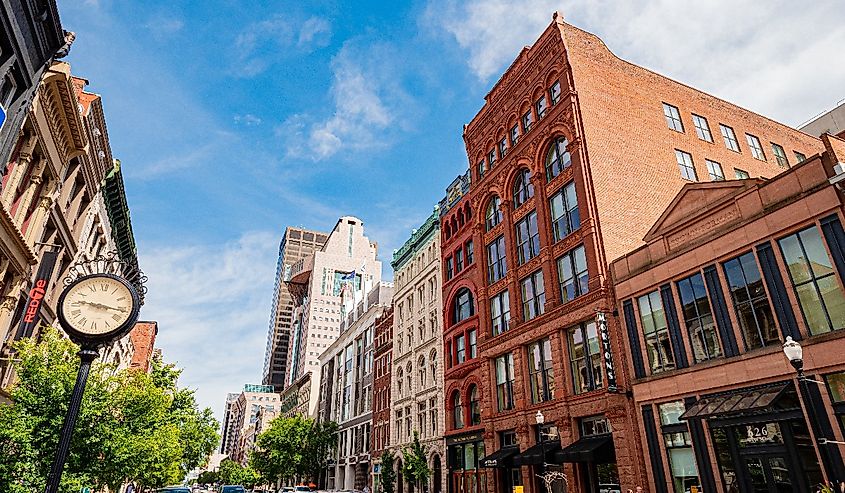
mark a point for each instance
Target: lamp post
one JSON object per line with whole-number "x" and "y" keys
{"x": 795, "y": 354}
{"x": 540, "y": 418}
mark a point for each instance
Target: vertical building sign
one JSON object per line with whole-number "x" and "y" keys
{"x": 601, "y": 322}
{"x": 36, "y": 294}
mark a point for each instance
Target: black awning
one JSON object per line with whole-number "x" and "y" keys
{"x": 500, "y": 458}
{"x": 588, "y": 449}
{"x": 533, "y": 456}
{"x": 742, "y": 401}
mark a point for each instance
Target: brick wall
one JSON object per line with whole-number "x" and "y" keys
{"x": 143, "y": 338}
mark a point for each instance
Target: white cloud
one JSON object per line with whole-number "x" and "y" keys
{"x": 260, "y": 44}
{"x": 316, "y": 32}
{"x": 248, "y": 119}
{"x": 212, "y": 304}
{"x": 751, "y": 53}
{"x": 491, "y": 31}
{"x": 163, "y": 26}
{"x": 368, "y": 101}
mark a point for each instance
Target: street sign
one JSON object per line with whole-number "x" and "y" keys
{"x": 2, "y": 115}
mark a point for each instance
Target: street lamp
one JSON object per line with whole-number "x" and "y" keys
{"x": 540, "y": 418}
{"x": 795, "y": 354}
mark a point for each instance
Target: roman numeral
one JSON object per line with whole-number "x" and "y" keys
{"x": 104, "y": 287}
{"x": 76, "y": 312}
{"x": 83, "y": 321}
{"x": 121, "y": 298}
{"x": 93, "y": 325}
{"x": 92, "y": 288}
{"x": 116, "y": 317}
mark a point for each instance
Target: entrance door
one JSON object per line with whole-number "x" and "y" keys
{"x": 768, "y": 473}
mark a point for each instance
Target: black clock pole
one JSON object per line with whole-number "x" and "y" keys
{"x": 86, "y": 355}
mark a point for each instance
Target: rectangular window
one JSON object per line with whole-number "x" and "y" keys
{"x": 730, "y": 137}
{"x": 508, "y": 439}
{"x": 497, "y": 265}
{"x": 533, "y": 295}
{"x": 527, "y": 238}
{"x": 780, "y": 155}
{"x": 459, "y": 260}
{"x": 481, "y": 168}
{"x": 514, "y": 135}
{"x": 564, "y": 211}
{"x": 491, "y": 159}
{"x": 585, "y": 357}
{"x": 799, "y": 157}
{"x": 450, "y": 270}
{"x": 541, "y": 107}
{"x": 500, "y": 312}
{"x": 472, "y": 335}
{"x": 702, "y": 128}
{"x": 526, "y": 122}
{"x": 813, "y": 277}
{"x": 461, "y": 353}
{"x": 751, "y": 304}
{"x": 554, "y": 93}
{"x": 540, "y": 372}
{"x": 572, "y": 274}
{"x": 714, "y": 169}
{"x": 685, "y": 164}
{"x": 756, "y": 148}
{"x": 470, "y": 254}
{"x": 656, "y": 332}
{"x": 698, "y": 318}
{"x": 741, "y": 174}
{"x": 503, "y": 147}
{"x": 504, "y": 382}
{"x": 595, "y": 425}
{"x": 673, "y": 117}
{"x": 676, "y": 437}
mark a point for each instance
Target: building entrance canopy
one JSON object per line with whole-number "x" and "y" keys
{"x": 500, "y": 458}
{"x": 743, "y": 401}
{"x": 598, "y": 449}
{"x": 533, "y": 456}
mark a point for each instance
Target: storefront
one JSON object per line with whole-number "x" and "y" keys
{"x": 466, "y": 454}
{"x": 593, "y": 456}
{"x": 760, "y": 439}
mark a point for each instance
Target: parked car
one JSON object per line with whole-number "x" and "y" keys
{"x": 301, "y": 488}
{"x": 229, "y": 488}
{"x": 175, "y": 489}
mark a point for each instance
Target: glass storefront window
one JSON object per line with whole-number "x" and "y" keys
{"x": 811, "y": 271}
{"x": 698, "y": 318}
{"x": 670, "y": 412}
{"x": 836, "y": 384}
{"x": 723, "y": 457}
{"x": 751, "y": 304}
{"x": 683, "y": 468}
{"x": 656, "y": 332}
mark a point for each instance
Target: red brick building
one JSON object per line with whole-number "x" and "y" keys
{"x": 563, "y": 139}
{"x": 143, "y": 339}
{"x": 728, "y": 272}
{"x": 382, "y": 358}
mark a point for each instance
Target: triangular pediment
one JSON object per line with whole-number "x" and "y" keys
{"x": 696, "y": 200}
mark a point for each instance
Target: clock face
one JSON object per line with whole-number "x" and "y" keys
{"x": 98, "y": 305}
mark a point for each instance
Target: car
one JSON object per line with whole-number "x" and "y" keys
{"x": 231, "y": 488}
{"x": 301, "y": 488}
{"x": 174, "y": 489}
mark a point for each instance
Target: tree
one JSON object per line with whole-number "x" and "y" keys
{"x": 388, "y": 473}
{"x": 231, "y": 472}
{"x": 131, "y": 426}
{"x": 294, "y": 447}
{"x": 208, "y": 477}
{"x": 415, "y": 466}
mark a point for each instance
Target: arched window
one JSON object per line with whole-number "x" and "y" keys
{"x": 432, "y": 364}
{"x": 494, "y": 212}
{"x": 457, "y": 410}
{"x": 522, "y": 188}
{"x": 421, "y": 370}
{"x": 447, "y": 230}
{"x": 558, "y": 158}
{"x": 399, "y": 375}
{"x": 474, "y": 406}
{"x": 409, "y": 376}
{"x": 460, "y": 217}
{"x": 468, "y": 212}
{"x": 463, "y": 307}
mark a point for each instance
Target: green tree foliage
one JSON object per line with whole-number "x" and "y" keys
{"x": 132, "y": 425}
{"x": 230, "y": 472}
{"x": 388, "y": 473}
{"x": 415, "y": 466}
{"x": 208, "y": 477}
{"x": 294, "y": 448}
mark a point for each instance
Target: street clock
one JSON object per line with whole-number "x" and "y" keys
{"x": 98, "y": 308}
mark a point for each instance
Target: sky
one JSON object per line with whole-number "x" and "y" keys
{"x": 236, "y": 118}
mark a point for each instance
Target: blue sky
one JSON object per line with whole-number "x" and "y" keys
{"x": 234, "y": 119}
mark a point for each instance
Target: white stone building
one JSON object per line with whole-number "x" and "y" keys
{"x": 417, "y": 369}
